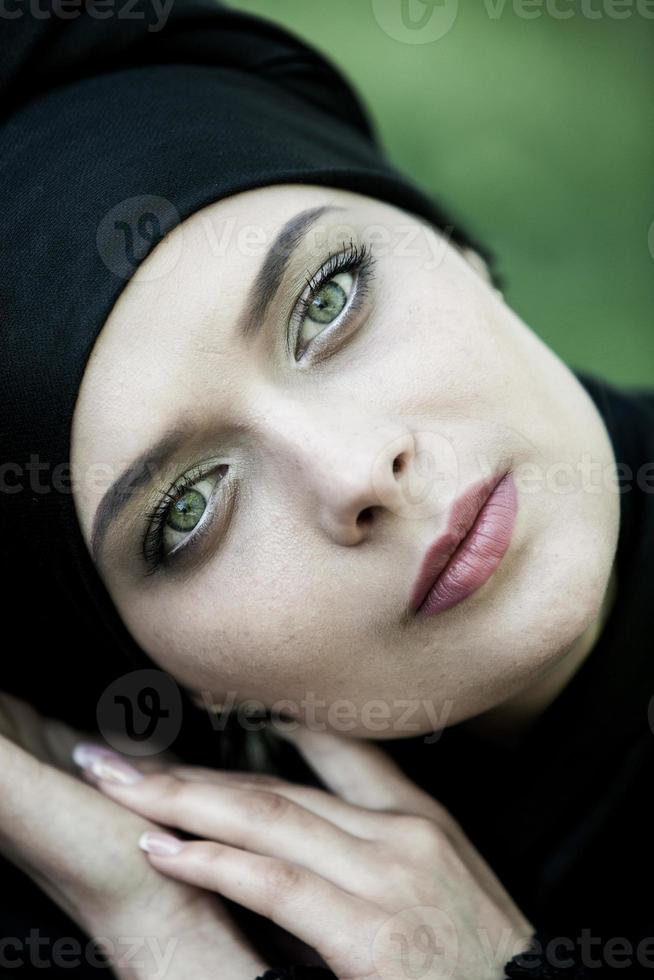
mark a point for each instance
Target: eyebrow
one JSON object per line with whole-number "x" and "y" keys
{"x": 259, "y": 299}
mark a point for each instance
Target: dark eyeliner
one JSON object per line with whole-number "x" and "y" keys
{"x": 152, "y": 545}
{"x": 354, "y": 259}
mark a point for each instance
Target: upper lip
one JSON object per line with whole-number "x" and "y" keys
{"x": 462, "y": 516}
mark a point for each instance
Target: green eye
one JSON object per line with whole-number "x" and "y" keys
{"x": 328, "y": 302}
{"x": 187, "y": 511}
{"x": 183, "y": 520}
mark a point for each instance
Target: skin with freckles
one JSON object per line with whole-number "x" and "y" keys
{"x": 316, "y": 485}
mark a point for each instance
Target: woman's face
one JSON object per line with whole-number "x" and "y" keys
{"x": 294, "y": 499}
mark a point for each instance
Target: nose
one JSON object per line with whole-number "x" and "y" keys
{"x": 347, "y": 466}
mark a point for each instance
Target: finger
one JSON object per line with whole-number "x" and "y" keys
{"x": 354, "y": 819}
{"x": 52, "y": 741}
{"x": 256, "y": 819}
{"x": 82, "y": 754}
{"x": 157, "y": 757}
{"x": 369, "y": 824}
{"x": 49, "y": 739}
{"x": 362, "y": 773}
{"x": 50, "y": 822}
{"x": 22, "y": 724}
{"x": 328, "y": 919}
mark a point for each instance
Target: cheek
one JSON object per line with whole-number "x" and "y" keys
{"x": 226, "y": 632}
{"x": 446, "y": 347}
{"x": 268, "y": 636}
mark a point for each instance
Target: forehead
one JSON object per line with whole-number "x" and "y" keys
{"x": 168, "y": 343}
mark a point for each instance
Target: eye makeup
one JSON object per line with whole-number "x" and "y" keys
{"x": 170, "y": 512}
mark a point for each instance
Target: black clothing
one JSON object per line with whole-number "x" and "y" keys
{"x": 113, "y": 130}
{"x": 111, "y": 134}
{"x": 565, "y": 818}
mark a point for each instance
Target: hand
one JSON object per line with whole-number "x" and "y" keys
{"x": 78, "y": 846}
{"x": 374, "y": 874}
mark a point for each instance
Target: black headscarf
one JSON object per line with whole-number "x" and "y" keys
{"x": 113, "y": 129}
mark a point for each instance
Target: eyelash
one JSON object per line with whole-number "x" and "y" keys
{"x": 354, "y": 258}
{"x": 152, "y": 549}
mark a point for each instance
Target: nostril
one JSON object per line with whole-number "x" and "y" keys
{"x": 398, "y": 464}
{"x": 366, "y": 515}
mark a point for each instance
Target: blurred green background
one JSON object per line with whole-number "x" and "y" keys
{"x": 536, "y": 131}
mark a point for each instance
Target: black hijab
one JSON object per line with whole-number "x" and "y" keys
{"x": 112, "y": 131}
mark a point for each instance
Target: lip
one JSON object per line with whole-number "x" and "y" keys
{"x": 478, "y": 534}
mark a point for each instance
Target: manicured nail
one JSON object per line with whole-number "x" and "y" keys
{"x": 105, "y": 764}
{"x": 84, "y": 753}
{"x": 163, "y": 845}
{"x": 115, "y": 770}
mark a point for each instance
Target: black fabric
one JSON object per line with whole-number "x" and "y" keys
{"x": 565, "y": 818}
{"x": 99, "y": 114}
{"x": 112, "y": 131}
{"x": 109, "y": 126}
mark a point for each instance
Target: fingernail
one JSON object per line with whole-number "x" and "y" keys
{"x": 84, "y": 753}
{"x": 115, "y": 771}
{"x": 105, "y": 764}
{"x": 163, "y": 845}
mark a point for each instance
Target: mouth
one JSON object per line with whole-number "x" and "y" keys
{"x": 478, "y": 534}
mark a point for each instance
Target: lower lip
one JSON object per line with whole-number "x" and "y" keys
{"x": 480, "y": 552}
